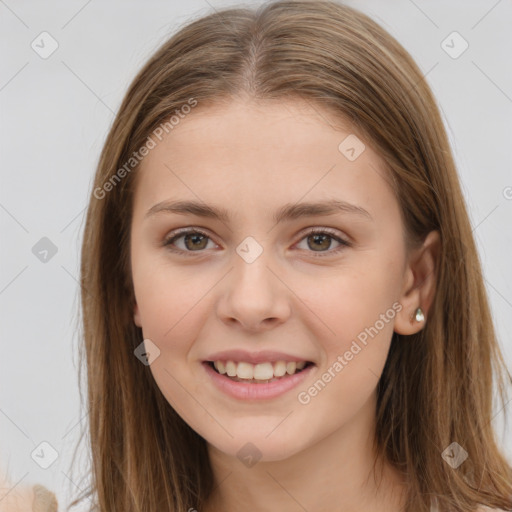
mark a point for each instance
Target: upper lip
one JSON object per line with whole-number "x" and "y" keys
{"x": 253, "y": 357}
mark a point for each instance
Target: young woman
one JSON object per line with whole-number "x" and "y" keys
{"x": 283, "y": 305}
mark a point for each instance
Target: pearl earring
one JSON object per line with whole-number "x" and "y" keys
{"x": 419, "y": 315}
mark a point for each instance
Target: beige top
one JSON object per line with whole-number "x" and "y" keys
{"x": 39, "y": 499}
{"x": 44, "y": 500}
{"x": 27, "y": 499}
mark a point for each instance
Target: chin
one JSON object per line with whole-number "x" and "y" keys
{"x": 255, "y": 447}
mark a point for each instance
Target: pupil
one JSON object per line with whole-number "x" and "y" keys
{"x": 317, "y": 237}
{"x": 196, "y": 240}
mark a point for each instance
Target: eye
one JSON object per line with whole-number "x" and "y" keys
{"x": 321, "y": 238}
{"x": 194, "y": 240}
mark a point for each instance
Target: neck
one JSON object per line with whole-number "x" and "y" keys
{"x": 337, "y": 473}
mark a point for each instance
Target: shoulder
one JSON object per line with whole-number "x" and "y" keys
{"x": 21, "y": 498}
{"x": 44, "y": 500}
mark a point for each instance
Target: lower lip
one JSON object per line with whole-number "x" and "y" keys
{"x": 252, "y": 391}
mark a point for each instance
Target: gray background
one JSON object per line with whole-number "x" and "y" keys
{"x": 56, "y": 113}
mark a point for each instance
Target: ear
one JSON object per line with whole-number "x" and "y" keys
{"x": 136, "y": 315}
{"x": 419, "y": 284}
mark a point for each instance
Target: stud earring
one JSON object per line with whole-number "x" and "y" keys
{"x": 419, "y": 316}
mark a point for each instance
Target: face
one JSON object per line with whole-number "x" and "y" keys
{"x": 270, "y": 280}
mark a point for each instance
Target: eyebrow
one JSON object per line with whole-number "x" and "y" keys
{"x": 286, "y": 213}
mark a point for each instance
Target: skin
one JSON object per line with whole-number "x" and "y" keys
{"x": 251, "y": 158}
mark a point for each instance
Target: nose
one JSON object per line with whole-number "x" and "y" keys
{"x": 253, "y": 297}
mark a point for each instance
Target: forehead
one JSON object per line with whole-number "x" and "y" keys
{"x": 250, "y": 154}
{"x": 252, "y": 126}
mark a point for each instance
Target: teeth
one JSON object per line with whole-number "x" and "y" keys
{"x": 260, "y": 371}
{"x": 291, "y": 367}
{"x": 231, "y": 368}
{"x": 245, "y": 371}
{"x": 279, "y": 368}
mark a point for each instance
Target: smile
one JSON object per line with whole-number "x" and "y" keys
{"x": 261, "y": 372}
{"x": 249, "y": 381}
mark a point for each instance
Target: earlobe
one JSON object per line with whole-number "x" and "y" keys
{"x": 419, "y": 286}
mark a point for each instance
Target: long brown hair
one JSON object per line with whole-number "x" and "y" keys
{"x": 437, "y": 385}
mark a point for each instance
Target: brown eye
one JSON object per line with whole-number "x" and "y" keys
{"x": 193, "y": 241}
{"x": 317, "y": 241}
{"x": 320, "y": 241}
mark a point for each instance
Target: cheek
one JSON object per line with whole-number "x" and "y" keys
{"x": 168, "y": 313}
{"x": 359, "y": 294}
{"x": 170, "y": 317}
{"x": 360, "y": 308}
{"x": 357, "y": 308}
{"x": 167, "y": 299}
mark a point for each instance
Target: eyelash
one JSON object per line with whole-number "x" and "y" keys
{"x": 320, "y": 254}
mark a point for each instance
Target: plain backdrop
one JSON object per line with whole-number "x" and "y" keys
{"x": 55, "y": 114}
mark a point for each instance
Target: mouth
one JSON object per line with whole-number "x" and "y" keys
{"x": 253, "y": 382}
{"x": 262, "y": 373}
